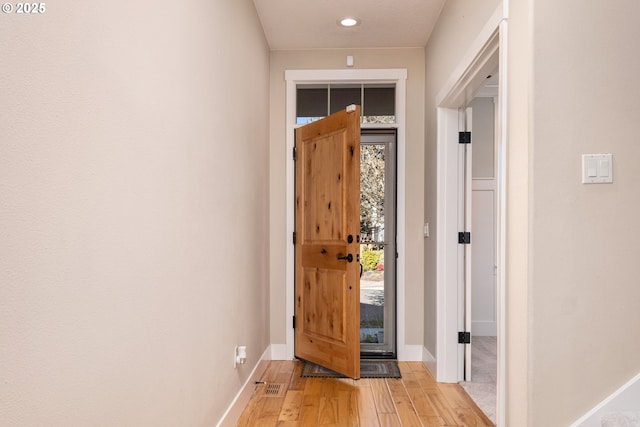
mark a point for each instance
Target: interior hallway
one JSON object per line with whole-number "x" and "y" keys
{"x": 413, "y": 400}
{"x": 482, "y": 387}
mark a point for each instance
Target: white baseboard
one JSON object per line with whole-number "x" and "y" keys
{"x": 429, "y": 361}
{"x": 279, "y": 352}
{"x": 484, "y": 328}
{"x": 626, "y": 398}
{"x": 410, "y": 353}
{"x": 234, "y": 411}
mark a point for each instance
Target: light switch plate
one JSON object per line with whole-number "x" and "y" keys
{"x": 597, "y": 168}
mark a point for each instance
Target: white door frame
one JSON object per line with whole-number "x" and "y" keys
{"x": 399, "y": 78}
{"x": 465, "y": 120}
{"x": 487, "y": 52}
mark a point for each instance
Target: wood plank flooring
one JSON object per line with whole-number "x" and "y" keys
{"x": 284, "y": 399}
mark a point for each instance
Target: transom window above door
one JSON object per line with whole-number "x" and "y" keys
{"x": 315, "y": 101}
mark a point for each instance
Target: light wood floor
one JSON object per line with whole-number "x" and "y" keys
{"x": 287, "y": 400}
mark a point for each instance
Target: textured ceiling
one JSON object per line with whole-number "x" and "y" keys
{"x": 311, "y": 24}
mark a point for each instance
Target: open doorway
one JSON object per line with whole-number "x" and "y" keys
{"x": 378, "y": 188}
{"x": 483, "y": 60}
{"x": 481, "y": 300}
{"x": 398, "y": 78}
{"x": 377, "y": 91}
{"x": 378, "y": 242}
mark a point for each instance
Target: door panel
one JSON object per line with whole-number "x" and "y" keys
{"x": 327, "y": 288}
{"x": 484, "y": 259}
{"x": 324, "y": 292}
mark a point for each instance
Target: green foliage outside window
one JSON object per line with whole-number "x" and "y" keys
{"x": 371, "y": 258}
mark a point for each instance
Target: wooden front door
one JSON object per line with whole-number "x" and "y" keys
{"x": 327, "y": 277}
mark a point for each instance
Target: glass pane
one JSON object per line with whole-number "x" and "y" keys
{"x": 315, "y": 101}
{"x": 372, "y": 195}
{"x": 379, "y": 100}
{"x": 344, "y": 95}
{"x": 306, "y": 120}
{"x": 379, "y": 104}
{"x": 372, "y": 294}
{"x": 312, "y": 103}
{"x": 372, "y": 187}
{"x": 379, "y": 119}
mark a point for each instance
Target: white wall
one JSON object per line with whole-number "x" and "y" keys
{"x": 584, "y": 279}
{"x": 570, "y": 274}
{"x": 483, "y": 161}
{"x": 133, "y": 213}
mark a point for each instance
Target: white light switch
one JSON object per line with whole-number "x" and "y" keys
{"x": 597, "y": 168}
{"x": 604, "y": 167}
{"x": 592, "y": 168}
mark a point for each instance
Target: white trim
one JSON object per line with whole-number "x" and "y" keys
{"x": 326, "y": 76}
{"x": 290, "y": 213}
{"x": 467, "y": 216}
{"x": 626, "y": 398}
{"x": 399, "y": 77}
{"x": 279, "y": 352}
{"x": 404, "y": 351}
{"x": 241, "y": 400}
{"x": 501, "y": 219}
{"x": 446, "y": 248}
{"x": 489, "y": 91}
{"x": 411, "y": 353}
{"x": 473, "y": 59}
{"x": 429, "y": 361}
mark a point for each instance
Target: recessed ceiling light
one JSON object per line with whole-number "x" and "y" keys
{"x": 348, "y": 22}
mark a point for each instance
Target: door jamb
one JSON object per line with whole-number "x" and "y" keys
{"x": 399, "y": 77}
{"x": 488, "y": 50}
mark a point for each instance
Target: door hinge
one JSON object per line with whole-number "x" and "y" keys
{"x": 464, "y": 237}
{"x": 464, "y": 137}
{"x": 294, "y": 237}
{"x": 464, "y": 337}
{"x": 294, "y": 322}
{"x": 295, "y": 153}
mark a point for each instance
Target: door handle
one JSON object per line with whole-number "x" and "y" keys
{"x": 348, "y": 257}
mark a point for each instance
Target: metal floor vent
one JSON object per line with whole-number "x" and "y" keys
{"x": 273, "y": 390}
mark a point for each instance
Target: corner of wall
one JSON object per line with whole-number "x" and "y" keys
{"x": 234, "y": 411}
{"x": 625, "y": 399}
{"x": 430, "y": 362}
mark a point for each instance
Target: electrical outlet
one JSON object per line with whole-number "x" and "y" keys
{"x": 235, "y": 357}
{"x": 239, "y": 355}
